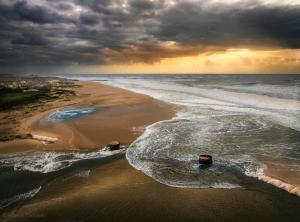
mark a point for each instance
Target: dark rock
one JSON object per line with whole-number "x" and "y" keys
{"x": 205, "y": 159}
{"x": 114, "y": 145}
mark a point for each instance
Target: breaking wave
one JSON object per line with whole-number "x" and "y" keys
{"x": 46, "y": 162}
{"x": 172, "y": 158}
{"x": 239, "y": 123}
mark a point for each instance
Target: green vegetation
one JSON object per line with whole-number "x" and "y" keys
{"x": 16, "y": 92}
{"x": 17, "y": 98}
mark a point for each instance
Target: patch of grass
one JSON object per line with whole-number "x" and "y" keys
{"x": 12, "y": 99}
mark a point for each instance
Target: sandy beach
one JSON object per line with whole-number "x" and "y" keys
{"x": 111, "y": 189}
{"x": 122, "y": 116}
{"x": 115, "y": 191}
{"x": 149, "y": 110}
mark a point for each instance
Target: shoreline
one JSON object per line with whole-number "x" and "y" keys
{"x": 84, "y": 134}
{"x": 113, "y": 101}
{"x": 123, "y": 116}
{"x": 281, "y": 177}
{"x": 109, "y": 189}
{"x": 114, "y": 191}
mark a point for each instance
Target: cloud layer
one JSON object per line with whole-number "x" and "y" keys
{"x": 45, "y": 33}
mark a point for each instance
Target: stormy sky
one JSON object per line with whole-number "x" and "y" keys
{"x": 103, "y": 36}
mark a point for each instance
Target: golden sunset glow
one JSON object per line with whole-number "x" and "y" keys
{"x": 228, "y": 61}
{"x": 150, "y": 36}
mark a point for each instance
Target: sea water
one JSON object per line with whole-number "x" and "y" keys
{"x": 69, "y": 113}
{"x": 241, "y": 120}
{"x": 22, "y": 175}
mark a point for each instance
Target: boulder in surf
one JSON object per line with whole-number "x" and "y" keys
{"x": 114, "y": 145}
{"x": 205, "y": 159}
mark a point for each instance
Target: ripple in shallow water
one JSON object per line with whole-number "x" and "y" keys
{"x": 70, "y": 113}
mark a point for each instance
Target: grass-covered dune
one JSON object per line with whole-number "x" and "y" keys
{"x": 17, "y": 97}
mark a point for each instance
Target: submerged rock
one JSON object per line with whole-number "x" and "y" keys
{"x": 205, "y": 159}
{"x": 114, "y": 145}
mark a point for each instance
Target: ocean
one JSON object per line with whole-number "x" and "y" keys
{"x": 243, "y": 121}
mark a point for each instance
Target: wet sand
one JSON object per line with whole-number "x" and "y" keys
{"x": 283, "y": 177}
{"x": 115, "y": 191}
{"x": 122, "y": 116}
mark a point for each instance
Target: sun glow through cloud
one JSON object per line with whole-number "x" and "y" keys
{"x": 150, "y": 36}
{"x": 237, "y": 61}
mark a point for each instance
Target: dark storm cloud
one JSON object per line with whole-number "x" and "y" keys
{"x": 38, "y": 14}
{"x": 89, "y": 18}
{"x": 189, "y": 23}
{"x": 23, "y": 11}
{"x": 30, "y": 39}
{"x": 61, "y": 33}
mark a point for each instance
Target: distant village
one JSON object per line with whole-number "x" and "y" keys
{"x": 17, "y": 91}
{"x": 33, "y": 84}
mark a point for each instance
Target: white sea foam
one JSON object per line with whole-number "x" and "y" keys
{"x": 272, "y": 90}
{"x": 46, "y": 162}
{"x": 23, "y": 196}
{"x": 284, "y": 111}
{"x": 233, "y": 122}
{"x": 150, "y": 152}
